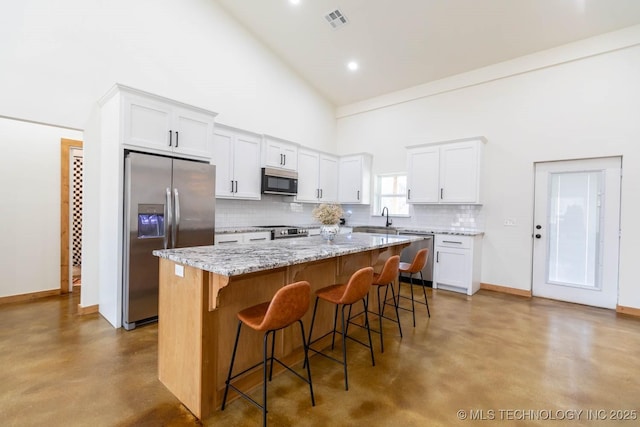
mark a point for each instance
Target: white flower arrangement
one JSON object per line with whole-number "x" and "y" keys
{"x": 328, "y": 213}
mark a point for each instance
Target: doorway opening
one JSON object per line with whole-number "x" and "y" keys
{"x": 71, "y": 172}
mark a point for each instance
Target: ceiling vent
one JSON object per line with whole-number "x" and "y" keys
{"x": 336, "y": 19}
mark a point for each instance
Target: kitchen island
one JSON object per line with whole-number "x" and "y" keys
{"x": 202, "y": 289}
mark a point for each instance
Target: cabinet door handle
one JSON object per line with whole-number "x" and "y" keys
{"x": 256, "y": 239}
{"x": 451, "y": 241}
{"x": 358, "y": 195}
{"x": 321, "y": 193}
{"x": 438, "y": 256}
{"x": 236, "y": 186}
{"x": 177, "y": 139}
{"x": 227, "y": 241}
{"x": 170, "y": 137}
{"x": 317, "y": 193}
{"x": 409, "y": 194}
{"x": 285, "y": 159}
{"x": 441, "y": 193}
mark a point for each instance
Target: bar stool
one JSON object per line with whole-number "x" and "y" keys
{"x": 385, "y": 280}
{"x": 419, "y": 261}
{"x": 288, "y": 305}
{"x": 345, "y": 295}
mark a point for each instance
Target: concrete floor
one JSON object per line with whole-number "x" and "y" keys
{"x": 500, "y": 359}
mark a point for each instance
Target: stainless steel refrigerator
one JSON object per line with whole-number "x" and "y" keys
{"x": 168, "y": 203}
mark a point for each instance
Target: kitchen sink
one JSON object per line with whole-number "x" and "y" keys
{"x": 375, "y": 229}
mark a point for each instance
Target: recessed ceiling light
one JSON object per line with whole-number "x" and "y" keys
{"x": 294, "y": 1}
{"x": 353, "y": 65}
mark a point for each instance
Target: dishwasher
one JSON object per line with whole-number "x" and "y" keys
{"x": 410, "y": 252}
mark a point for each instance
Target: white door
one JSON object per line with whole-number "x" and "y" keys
{"x": 576, "y": 231}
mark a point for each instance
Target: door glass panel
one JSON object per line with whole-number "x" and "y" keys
{"x": 574, "y": 255}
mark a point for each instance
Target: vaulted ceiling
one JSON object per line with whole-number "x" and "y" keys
{"x": 402, "y": 43}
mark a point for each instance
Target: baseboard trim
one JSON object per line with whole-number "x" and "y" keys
{"x": 506, "y": 290}
{"x": 29, "y": 296}
{"x": 90, "y": 309}
{"x": 631, "y": 311}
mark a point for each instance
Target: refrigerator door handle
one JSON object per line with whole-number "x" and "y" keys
{"x": 176, "y": 222}
{"x": 167, "y": 217}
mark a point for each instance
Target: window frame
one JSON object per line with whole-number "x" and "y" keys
{"x": 376, "y": 206}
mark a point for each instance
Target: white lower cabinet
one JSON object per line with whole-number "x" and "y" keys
{"x": 457, "y": 263}
{"x": 254, "y": 237}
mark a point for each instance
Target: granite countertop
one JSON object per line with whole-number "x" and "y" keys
{"x": 427, "y": 230}
{"x": 234, "y": 260}
{"x": 435, "y": 230}
{"x": 408, "y": 229}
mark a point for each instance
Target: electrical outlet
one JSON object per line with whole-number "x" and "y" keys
{"x": 179, "y": 270}
{"x": 509, "y": 222}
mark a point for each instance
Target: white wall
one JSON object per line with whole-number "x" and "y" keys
{"x": 59, "y": 58}
{"x": 30, "y": 206}
{"x": 534, "y": 109}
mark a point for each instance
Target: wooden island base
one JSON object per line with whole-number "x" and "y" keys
{"x": 197, "y": 322}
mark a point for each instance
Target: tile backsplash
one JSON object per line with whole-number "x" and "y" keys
{"x": 275, "y": 210}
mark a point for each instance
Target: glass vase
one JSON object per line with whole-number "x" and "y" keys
{"x": 329, "y": 231}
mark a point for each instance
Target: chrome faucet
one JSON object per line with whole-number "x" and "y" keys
{"x": 388, "y": 222}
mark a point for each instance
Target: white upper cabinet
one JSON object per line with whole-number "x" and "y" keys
{"x": 317, "y": 176}
{"x": 237, "y": 160}
{"x": 423, "y": 184}
{"x": 159, "y": 125}
{"x": 446, "y": 173}
{"x": 328, "y": 178}
{"x": 354, "y": 172}
{"x": 278, "y": 153}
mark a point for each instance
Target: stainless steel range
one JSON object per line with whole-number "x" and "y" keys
{"x": 284, "y": 231}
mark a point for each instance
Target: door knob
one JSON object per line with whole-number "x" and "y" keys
{"x": 538, "y": 227}
{"x": 538, "y": 236}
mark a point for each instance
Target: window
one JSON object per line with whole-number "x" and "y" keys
{"x": 391, "y": 191}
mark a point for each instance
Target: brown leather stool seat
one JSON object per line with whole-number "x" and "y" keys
{"x": 415, "y": 267}
{"x": 344, "y": 296}
{"x": 287, "y": 307}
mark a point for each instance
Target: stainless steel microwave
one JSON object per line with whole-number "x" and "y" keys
{"x": 279, "y": 181}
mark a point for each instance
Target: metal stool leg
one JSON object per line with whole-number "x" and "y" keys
{"x": 424, "y": 291}
{"x": 264, "y": 376}
{"x": 306, "y": 362}
{"x": 393, "y": 295}
{"x": 366, "y": 318}
{"x": 380, "y": 314}
{"x": 413, "y": 307}
{"x": 233, "y": 358}
{"x": 344, "y": 349}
